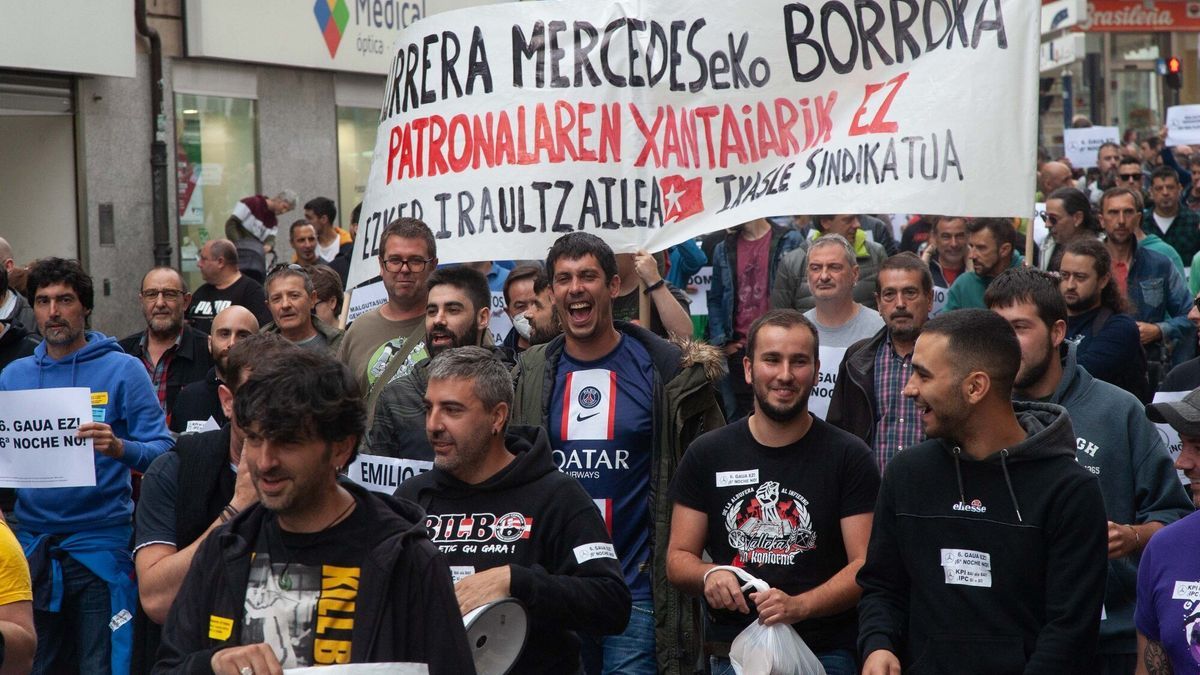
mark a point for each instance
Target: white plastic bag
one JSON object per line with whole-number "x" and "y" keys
{"x": 769, "y": 650}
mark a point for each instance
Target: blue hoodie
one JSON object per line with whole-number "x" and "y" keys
{"x": 133, "y": 412}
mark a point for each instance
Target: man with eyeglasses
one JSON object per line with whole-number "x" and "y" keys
{"x": 384, "y": 344}
{"x": 867, "y": 399}
{"x": 173, "y": 353}
{"x": 1148, "y": 280}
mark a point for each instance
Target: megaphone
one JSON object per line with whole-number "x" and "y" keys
{"x": 496, "y": 634}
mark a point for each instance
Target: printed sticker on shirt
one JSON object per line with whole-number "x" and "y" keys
{"x": 967, "y": 568}
{"x": 97, "y": 413}
{"x": 593, "y": 551}
{"x": 219, "y": 628}
{"x": 100, "y": 398}
{"x": 730, "y": 478}
{"x": 589, "y": 407}
{"x": 1186, "y": 590}
{"x": 119, "y": 619}
{"x": 460, "y": 572}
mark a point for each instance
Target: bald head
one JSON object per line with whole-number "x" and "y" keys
{"x": 6, "y": 255}
{"x": 1054, "y": 176}
{"x": 230, "y": 325}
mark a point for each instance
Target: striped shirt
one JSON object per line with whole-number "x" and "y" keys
{"x": 898, "y": 425}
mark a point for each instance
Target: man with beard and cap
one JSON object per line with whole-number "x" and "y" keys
{"x": 1114, "y": 441}
{"x": 543, "y": 542}
{"x": 620, "y": 405}
{"x": 867, "y": 399}
{"x": 199, "y": 402}
{"x": 457, "y": 314}
{"x": 1105, "y": 335}
{"x": 173, "y": 353}
{"x": 1167, "y": 617}
{"x": 989, "y": 539}
{"x": 792, "y": 506}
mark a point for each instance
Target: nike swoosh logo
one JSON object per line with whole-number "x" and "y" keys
{"x": 580, "y": 417}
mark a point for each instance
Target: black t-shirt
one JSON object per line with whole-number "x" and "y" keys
{"x": 303, "y": 589}
{"x": 776, "y": 512}
{"x": 207, "y": 302}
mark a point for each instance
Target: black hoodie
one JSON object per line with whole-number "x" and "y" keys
{"x": 987, "y": 566}
{"x": 543, "y": 525}
{"x": 406, "y": 609}
{"x": 16, "y": 342}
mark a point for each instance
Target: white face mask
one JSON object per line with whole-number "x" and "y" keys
{"x": 521, "y": 323}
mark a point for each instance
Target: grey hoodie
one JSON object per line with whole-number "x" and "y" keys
{"x": 1116, "y": 442}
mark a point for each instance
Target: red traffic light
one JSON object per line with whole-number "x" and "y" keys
{"x": 1173, "y": 65}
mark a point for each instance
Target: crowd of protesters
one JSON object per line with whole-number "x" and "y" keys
{"x": 987, "y": 493}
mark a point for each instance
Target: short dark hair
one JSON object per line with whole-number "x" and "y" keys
{"x": 1001, "y": 228}
{"x": 1129, "y": 160}
{"x": 1152, "y": 141}
{"x": 49, "y": 271}
{"x": 1095, "y": 249}
{"x": 1107, "y": 144}
{"x": 1164, "y": 172}
{"x": 782, "y": 318}
{"x": 1031, "y": 285}
{"x": 253, "y": 351}
{"x": 408, "y": 228}
{"x": 1118, "y": 191}
{"x": 906, "y": 261}
{"x": 322, "y": 206}
{"x": 356, "y": 212}
{"x": 327, "y": 284}
{"x": 575, "y": 245}
{"x": 308, "y": 395}
{"x": 521, "y": 272}
{"x": 1074, "y": 201}
{"x": 470, "y": 281}
{"x": 299, "y": 223}
{"x": 979, "y": 339}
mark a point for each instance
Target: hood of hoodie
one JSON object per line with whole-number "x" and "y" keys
{"x": 51, "y": 371}
{"x": 1048, "y": 434}
{"x": 532, "y": 460}
{"x": 1075, "y": 380}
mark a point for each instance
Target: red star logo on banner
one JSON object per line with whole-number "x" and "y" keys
{"x": 681, "y": 198}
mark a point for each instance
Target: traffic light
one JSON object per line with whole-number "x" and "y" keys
{"x": 1174, "y": 77}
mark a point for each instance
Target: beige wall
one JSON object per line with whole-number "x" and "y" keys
{"x": 37, "y": 186}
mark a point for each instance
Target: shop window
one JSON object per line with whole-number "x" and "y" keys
{"x": 356, "y": 144}
{"x": 216, "y": 164}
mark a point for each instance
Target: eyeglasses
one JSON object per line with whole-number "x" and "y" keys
{"x": 169, "y": 294}
{"x": 1129, "y": 176}
{"x": 288, "y": 266}
{"x": 414, "y": 264}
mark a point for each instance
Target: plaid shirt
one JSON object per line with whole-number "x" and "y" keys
{"x": 1183, "y": 235}
{"x": 899, "y": 425}
{"x": 158, "y": 371}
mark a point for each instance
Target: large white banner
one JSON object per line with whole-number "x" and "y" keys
{"x": 651, "y": 122}
{"x": 39, "y": 446}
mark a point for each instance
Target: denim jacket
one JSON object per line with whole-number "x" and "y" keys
{"x": 722, "y": 294}
{"x": 1160, "y": 296}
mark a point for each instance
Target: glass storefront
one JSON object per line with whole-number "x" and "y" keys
{"x": 356, "y": 143}
{"x": 216, "y": 164}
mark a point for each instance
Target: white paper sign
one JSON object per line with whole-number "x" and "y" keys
{"x": 499, "y": 324}
{"x": 1082, "y": 144}
{"x": 939, "y": 300}
{"x": 1040, "y": 229}
{"x": 702, "y": 281}
{"x": 831, "y": 358}
{"x": 1183, "y": 125}
{"x": 362, "y": 669}
{"x": 384, "y": 474}
{"x": 38, "y": 447}
{"x": 365, "y": 299}
{"x": 1169, "y": 436}
{"x": 967, "y": 568}
{"x": 650, "y": 122}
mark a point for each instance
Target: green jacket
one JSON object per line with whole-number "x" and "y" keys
{"x": 685, "y": 406}
{"x": 332, "y": 334}
{"x": 969, "y": 287}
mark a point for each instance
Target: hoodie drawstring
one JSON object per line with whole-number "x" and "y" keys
{"x": 1008, "y": 482}
{"x": 962, "y": 495}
